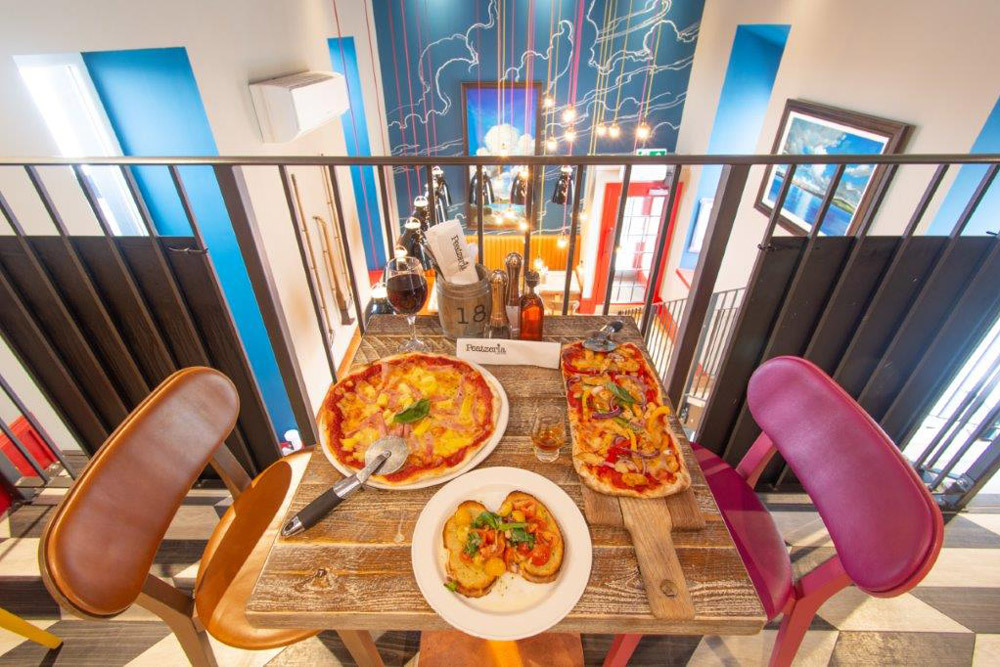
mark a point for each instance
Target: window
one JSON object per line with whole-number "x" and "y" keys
{"x": 68, "y": 102}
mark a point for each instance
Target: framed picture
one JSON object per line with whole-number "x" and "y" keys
{"x": 500, "y": 119}
{"x": 812, "y": 129}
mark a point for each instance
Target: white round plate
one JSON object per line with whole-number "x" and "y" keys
{"x": 514, "y": 608}
{"x": 477, "y": 458}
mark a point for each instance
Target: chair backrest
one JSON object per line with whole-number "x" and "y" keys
{"x": 97, "y": 550}
{"x": 881, "y": 518}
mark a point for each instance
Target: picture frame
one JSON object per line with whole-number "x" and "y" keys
{"x": 484, "y": 105}
{"x": 807, "y": 128}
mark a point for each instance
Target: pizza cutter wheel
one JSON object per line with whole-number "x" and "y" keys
{"x": 385, "y": 456}
{"x": 600, "y": 340}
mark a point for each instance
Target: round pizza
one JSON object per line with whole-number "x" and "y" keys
{"x": 622, "y": 441}
{"x": 444, "y": 408}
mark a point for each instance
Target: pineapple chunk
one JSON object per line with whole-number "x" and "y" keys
{"x": 422, "y": 427}
{"x": 382, "y": 400}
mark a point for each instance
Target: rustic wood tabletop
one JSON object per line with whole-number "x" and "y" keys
{"x": 352, "y": 571}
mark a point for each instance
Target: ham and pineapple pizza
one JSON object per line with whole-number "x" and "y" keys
{"x": 443, "y": 407}
{"x": 622, "y": 442}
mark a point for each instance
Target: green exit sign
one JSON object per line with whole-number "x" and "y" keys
{"x": 651, "y": 151}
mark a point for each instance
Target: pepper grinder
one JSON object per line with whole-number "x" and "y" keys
{"x": 499, "y": 325}
{"x": 513, "y": 262}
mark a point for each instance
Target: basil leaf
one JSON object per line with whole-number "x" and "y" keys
{"x": 472, "y": 544}
{"x": 511, "y": 526}
{"x": 487, "y": 519}
{"x": 413, "y": 413}
{"x": 620, "y": 392}
{"x": 451, "y": 585}
{"x": 518, "y": 535}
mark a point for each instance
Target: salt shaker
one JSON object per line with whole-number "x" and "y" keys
{"x": 499, "y": 325}
{"x": 513, "y": 263}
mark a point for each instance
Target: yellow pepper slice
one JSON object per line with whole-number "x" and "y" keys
{"x": 656, "y": 414}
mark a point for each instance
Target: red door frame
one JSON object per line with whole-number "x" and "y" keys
{"x": 609, "y": 215}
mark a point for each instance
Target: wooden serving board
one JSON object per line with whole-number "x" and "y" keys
{"x": 650, "y": 523}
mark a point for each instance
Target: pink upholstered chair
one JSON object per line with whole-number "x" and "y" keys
{"x": 884, "y": 524}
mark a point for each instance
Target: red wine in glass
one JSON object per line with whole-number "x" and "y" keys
{"x": 406, "y": 287}
{"x": 407, "y": 292}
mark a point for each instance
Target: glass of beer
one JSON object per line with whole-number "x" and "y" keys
{"x": 548, "y": 435}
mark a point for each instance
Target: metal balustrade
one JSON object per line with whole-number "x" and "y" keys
{"x": 690, "y": 339}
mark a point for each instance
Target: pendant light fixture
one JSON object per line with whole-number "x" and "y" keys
{"x": 563, "y": 192}
{"x": 569, "y": 114}
{"x": 569, "y": 135}
{"x": 614, "y": 131}
{"x": 441, "y": 189}
{"x": 548, "y": 102}
{"x": 643, "y": 131}
{"x": 562, "y": 242}
{"x": 601, "y": 130}
{"x": 483, "y": 190}
{"x": 520, "y": 189}
{"x": 421, "y": 212}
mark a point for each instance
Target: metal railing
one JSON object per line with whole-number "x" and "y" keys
{"x": 691, "y": 338}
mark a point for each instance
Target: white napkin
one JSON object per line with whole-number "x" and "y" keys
{"x": 503, "y": 352}
{"x": 454, "y": 256}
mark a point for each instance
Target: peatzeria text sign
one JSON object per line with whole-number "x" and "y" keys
{"x": 503, "y": 352}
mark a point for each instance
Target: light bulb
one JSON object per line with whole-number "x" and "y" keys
{"x": 548, "y": 102}
{"x": 551, "y": 144}
{"x": 562, "y": 242}
{"x": 523, "y": 225}
{"x": 643, "y": 131}
{"x": 569, "y": 114}
{"x": 601, "y": 130}
{"x": 614, "y": 131}
{"x": 583, "y": 216}
{"x": 570, "y": 135}
{"x": 539, "y": 264}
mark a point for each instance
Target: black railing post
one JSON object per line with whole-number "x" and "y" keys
{"x": 728, "y": 197}
{"x": 252, "y": 249}
{"x": 574, "y": 221}
{"x": 661, "y": 244}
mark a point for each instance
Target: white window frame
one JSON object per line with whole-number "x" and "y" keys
{"x": 81, "y": 128}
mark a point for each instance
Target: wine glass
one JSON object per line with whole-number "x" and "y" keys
{"x": 406, "y": 286}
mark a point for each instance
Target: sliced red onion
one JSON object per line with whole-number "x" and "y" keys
{"x": 607, "y": 415}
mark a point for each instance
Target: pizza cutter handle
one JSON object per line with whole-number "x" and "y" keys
{"x": 314, "y": 512}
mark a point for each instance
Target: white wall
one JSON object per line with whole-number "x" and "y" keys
{"x": 229, "y": 43}
{"x": 926, "y": 63}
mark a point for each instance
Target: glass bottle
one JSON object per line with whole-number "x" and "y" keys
{"x": 513, "y": 263}
{"x": 532, "y": 309}
{"x": 379, "y": 305}
{"x": 412, "y": 241}
{"x": 499, "y": 326}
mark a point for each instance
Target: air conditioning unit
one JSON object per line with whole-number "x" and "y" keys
{"x": 289, "y": 106}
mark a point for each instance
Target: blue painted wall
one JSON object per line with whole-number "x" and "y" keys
{"x": 344, "y": 59}
{"x": 152, "y": 100}
{"x": 746, "y": 91}
{"x": 456, "y": 41}
{"x": 987, "y": 216}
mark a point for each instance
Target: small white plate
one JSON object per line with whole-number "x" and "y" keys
{"x": 514, "y": 608}
{"x": 477, "y": 458}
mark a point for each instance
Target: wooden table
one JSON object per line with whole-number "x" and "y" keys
{"x": 352, "y": 571}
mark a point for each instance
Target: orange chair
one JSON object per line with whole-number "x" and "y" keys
{"x": 97, "y": 550}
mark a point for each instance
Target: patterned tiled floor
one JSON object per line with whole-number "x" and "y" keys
{"x": 953, "y": 618}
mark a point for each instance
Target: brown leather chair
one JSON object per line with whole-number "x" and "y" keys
{"x": 97, "y": 550}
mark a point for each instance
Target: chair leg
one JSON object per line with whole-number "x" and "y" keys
{"x": 362, "y": 647}
{"x": 621, "y": 650}
{"x": 176, "y": 608}
{"x": 794, "y": 625}
{"x": 19, "y": 626}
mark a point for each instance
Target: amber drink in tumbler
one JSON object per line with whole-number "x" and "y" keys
{"x": 548, "y": 435}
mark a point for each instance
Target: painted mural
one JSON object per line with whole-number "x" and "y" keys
{"x": 606, "y": 69}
